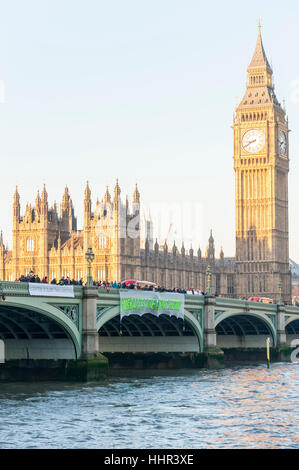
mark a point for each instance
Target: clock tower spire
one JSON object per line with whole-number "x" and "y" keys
{"x": 261, "y": 163}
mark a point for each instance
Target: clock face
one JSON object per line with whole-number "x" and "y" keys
{"x": 253, "y": 141}
{"x": 283, "y": 143}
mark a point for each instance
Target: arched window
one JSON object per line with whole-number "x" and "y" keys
{"x": 30, "y": 244}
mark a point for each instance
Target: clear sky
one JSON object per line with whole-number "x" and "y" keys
{"x": 143, "y": 91}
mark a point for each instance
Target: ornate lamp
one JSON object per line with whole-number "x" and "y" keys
{"x": 209, "y": 275}
{"x": 89, "y": 255}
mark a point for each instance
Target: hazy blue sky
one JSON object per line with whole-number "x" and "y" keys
{"x": 139, "y": 90}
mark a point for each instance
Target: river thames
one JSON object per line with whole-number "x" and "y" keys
{"x": 244, "y": 406}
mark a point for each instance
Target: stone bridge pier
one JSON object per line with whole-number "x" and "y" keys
{"x": 92, "y": 365}
{"x": 213, "y": 355}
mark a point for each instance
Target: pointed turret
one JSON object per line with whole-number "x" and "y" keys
{"x": 211, "y": 248}
{"x": 44, "y": 197}
{"x": 116, "y": 199}
{"x": 37, "y": 205}
{"x": 260, "y": 88}
{"x": 44, "y": 205}
{"x": 116, "y": 190}
{"x": 65, "y": 198}
{"x": 16, "y": 207}
{"x": 87, "y": 205}
{"x": 259, "y": 59}
{"x": 16, "y": 198}
{"x": 107, "y": 197}
{"x": 37, "y": 200}
{"x": 87, "y": 192}
{"x": 136, "y": 195}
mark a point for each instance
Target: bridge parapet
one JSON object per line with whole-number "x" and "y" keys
{"x": 292, "y": 310}
{"x": 228, "y": 303}
{"x": 14, "y": 288}
{"x": 22, "y": 289}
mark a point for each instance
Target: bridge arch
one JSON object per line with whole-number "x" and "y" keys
{"x": 239, "y": 329}
{"x": 37, "y": 330}
{"x": 150, "y": 333}
{"x": 292, "y": 328}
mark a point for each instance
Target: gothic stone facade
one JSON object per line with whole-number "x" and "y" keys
{"x": 50, "y": 245}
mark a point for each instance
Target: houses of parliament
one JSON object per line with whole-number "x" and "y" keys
{"x": 47, "y": 241}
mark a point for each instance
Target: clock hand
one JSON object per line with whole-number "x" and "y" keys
{"x": 244, "y": 146}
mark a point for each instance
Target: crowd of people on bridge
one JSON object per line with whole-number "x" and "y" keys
{"x": 139, "y": 285}
{"x": 64, "y": 281}
{"x": 147, "y": 286}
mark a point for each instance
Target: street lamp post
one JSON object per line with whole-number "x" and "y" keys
{"x": 209, "y": 275}
{"x": 89, "y": 255}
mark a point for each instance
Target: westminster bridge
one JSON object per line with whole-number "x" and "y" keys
{"x": 73, "y": 332}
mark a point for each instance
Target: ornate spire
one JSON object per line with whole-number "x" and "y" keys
{"x": 136, "y": 195}
{"x": 16, "y": 198}
{"x": 37, "y": 200}
{"x": 211, "y": 249}
{"x": 259, "y": 89}
{"x": 43, "y": 205}
{"x": 44, "y": 197}
{"x": 66, "y": 200}
{"x": 107, "y": 197}
{"x": 259, "y": 59}
{"x": 87, "y": 191}
{"x": 116, "y": 190}
{"x": 66, "y": 193}
{"x": 37, "y": 203}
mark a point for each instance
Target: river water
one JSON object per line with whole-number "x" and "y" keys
{"x": 239, "y": 407}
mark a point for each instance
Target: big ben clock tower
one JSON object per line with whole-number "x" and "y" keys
{"x": 261, "y": 163}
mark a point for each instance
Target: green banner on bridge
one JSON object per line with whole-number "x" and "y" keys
{"x": 134, "y": 302}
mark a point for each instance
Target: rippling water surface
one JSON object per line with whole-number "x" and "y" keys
{"x": 241, "y": 407}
